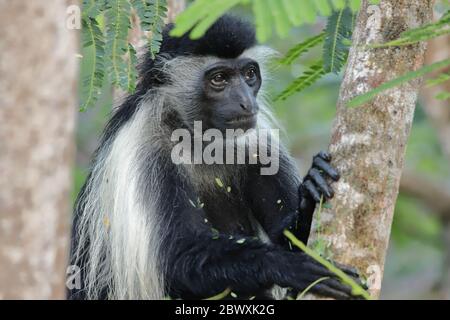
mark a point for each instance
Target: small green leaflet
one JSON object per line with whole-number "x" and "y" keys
{"x": 281, "y": 14}
{"x": 441, "y": 78}
{"x": 301, "y": 48}
{"x": 93, "y": 36}
{"x": 335, "y": 50}
{"x": 310, "y": 76}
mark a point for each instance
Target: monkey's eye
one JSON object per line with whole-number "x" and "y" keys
{"x": 219, "y": 80}
{"x": 250, "y": 73}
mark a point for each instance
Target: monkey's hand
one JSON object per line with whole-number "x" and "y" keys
{"x": 313, "y": 188}
{"x": 300, "y": 271}
{"x": 314, "y": 185}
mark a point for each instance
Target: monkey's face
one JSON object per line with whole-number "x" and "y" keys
{"x": 230, "y": 88}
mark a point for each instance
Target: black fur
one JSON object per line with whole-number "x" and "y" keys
{"x": 227, "y": 38}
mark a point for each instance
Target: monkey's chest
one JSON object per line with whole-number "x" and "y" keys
{"x": 229, "y": 214}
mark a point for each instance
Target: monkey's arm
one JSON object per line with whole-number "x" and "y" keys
{"x": 201, "y": 262}
{"x": 204, "y": 265}
{"x": 282, "y": 202}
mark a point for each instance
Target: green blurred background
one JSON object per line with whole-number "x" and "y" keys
{"x": 416, "y": 261}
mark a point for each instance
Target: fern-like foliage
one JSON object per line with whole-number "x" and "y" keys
{"x": 335, "y": 39}
{"x": 157, "y": 13}
{"x": 152, "y": 14}
{"x": 118, "y": 18}
{"x": 93, "y": 8}
{"x": 283, "y": 14}
{"x": 301, "y": 48}
{"x": 441, "y": 78}
{"x": 335, "y": 50}
{"x": 309, "y": 77}
{"x": 398, "y": 81}
{"x": 93, "y": 37}
{"x": 444, "y": 95}
{"x": 114, "y": 57}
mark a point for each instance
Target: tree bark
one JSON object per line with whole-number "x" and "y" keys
{"x": 38, "y": 76}
{"x": 368, "y": 142}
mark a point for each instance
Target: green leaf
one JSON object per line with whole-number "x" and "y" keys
{"x": 291, "y": 9}
{"x": 443, "y": 95}
{"x": 200, "y": 16}
{"x": 263, "y": 20}
{"x": 156, "y": 14}
{"x": 339, "y": 4}
{"x": 219, "y": 182}
{"x": 308, "y": 78}
{"x": 284, "y": 14}
{"x": 441, "y": 78}
{"x": 214, "y": 13}
{"x": 131, "y": 69}
{"x": 93, "y": 36}
{"x": 308, "y": 288}
{"x": 324, "y": 7}
{"x": 190, "y": 17}
{"x": 306, "y": 10}
{"x": 398, "y": 81}
{"x": 282, "y": 25}
{"x": 118, "y": 24}
{"x": 221, "y": 295}
{"x": 93, "y": 8}
{"x": 295, "y": 52}
{"x": 355, "y": 5}
{"x": 335, "y": 49}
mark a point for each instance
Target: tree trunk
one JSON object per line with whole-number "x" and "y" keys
{"x": 368, "y": 142}
{"x": 38, "y": 76}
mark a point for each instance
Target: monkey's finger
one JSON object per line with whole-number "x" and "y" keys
{"x": 326, "y": 291}
{"x": 324, "y": 155}
{"x": 318, "y": 270}
{"x": 320, "y": 182}
{"x": 321, "y": 164}
{"x": 348, "y": 270}
{"x": 311, "y": 189}
{"x": 339, "y": 286}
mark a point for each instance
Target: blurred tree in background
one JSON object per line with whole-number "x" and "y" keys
{"x": 38, "y": 76}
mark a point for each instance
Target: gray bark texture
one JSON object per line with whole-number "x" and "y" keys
{"x": 368, "y": 143}
{"x": 38, "y": 76}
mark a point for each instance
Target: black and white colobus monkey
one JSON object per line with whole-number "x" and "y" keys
{"x": 138, "y": 233}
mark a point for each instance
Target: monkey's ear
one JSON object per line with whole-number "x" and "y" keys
{"x": 156, "y": 75}
{"x": 164, "y": 56}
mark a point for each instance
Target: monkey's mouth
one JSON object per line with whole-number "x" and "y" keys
{"x": 246, "y": 120}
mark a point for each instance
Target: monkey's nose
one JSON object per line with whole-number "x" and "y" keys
{"x": 244, "y": 107}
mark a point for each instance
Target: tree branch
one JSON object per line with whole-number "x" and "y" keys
{"x": 433, "y": 194}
